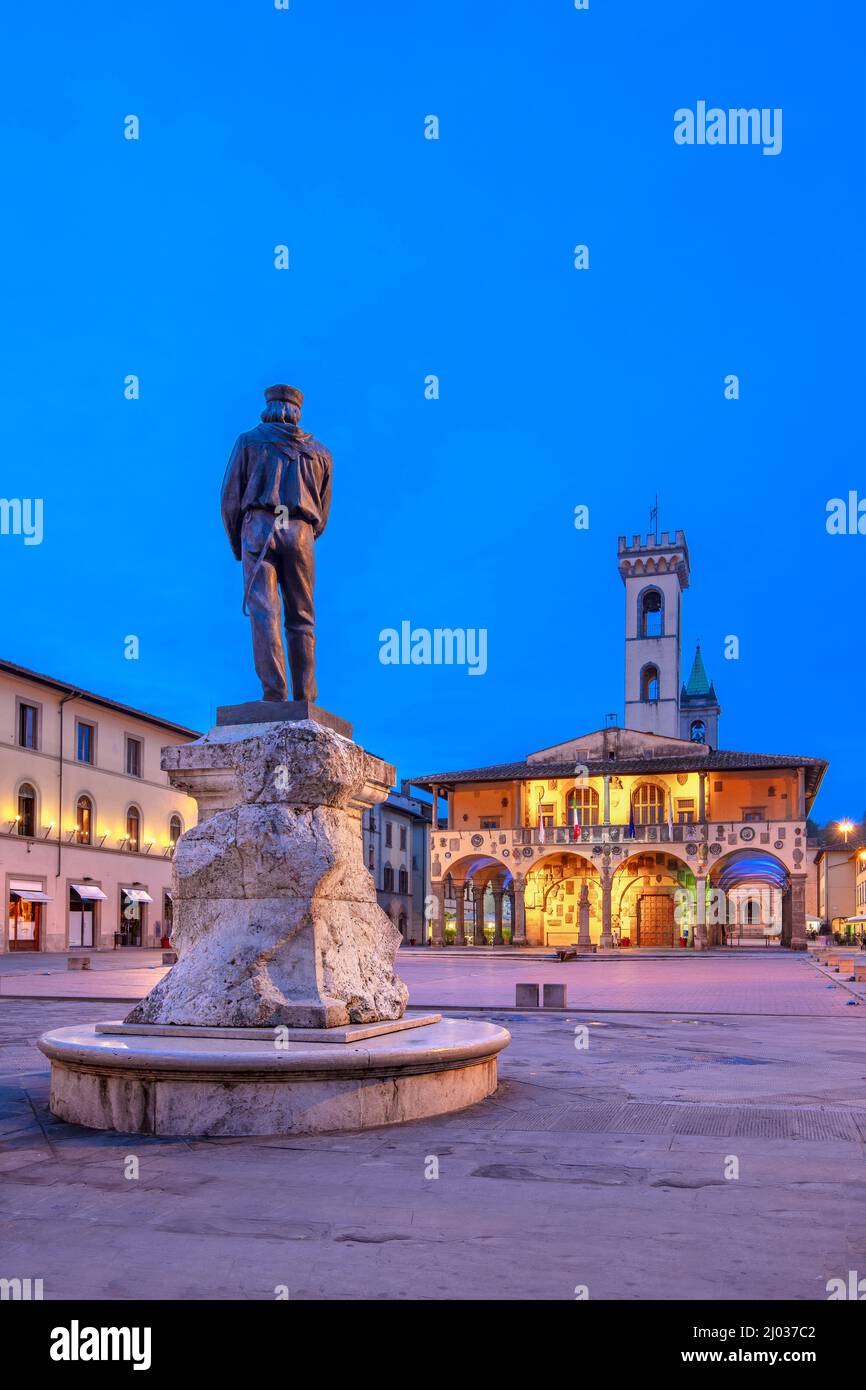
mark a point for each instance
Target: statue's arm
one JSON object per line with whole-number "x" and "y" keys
{"x": 325, "y": 494}
{"x": 232, "y": 495}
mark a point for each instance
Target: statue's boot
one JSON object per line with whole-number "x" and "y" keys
{"x": 302, "y": 664}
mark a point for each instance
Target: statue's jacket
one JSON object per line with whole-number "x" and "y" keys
{"x": 273, "y": 466}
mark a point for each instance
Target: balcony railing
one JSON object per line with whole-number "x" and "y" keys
{"x": 612, "y": 834}
{"x": 775, "y": 836}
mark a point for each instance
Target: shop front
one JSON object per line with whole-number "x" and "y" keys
{"x": 27, "y": 902}
{"x": 84, "y": 900}
{"x": 133, "y": 915}
{"x": 167, "y": 918}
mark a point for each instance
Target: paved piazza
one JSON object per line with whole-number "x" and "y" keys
{"x": 768, "y": 981}
{"x": 602, "y": 1166}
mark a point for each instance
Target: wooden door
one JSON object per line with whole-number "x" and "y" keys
{"x": 655, "y": 921}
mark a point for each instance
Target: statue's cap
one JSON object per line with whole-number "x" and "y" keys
{"x": 285, "y": 393}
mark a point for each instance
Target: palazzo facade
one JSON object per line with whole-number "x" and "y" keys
{"x": 89, "y": 819}
{"x": 638, "y": 835}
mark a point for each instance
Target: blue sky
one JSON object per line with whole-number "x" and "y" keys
{"x": 453, "y": 257}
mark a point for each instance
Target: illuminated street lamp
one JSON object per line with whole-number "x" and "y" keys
{"x": 846, "y": 827}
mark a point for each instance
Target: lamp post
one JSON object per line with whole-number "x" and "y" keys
{"x": 846, "y": 826}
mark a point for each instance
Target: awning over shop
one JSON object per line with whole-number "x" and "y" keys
{"x": 89, "y": 891}
{"x": 861, "y": 917}
{"x": 137, "y": 895}
{"x": 30, "y": 895}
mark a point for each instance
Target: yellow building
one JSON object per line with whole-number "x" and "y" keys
{"x": 89, "y": 819}
{"x": 836, "y": 866}
{"x": 646, "y": 835}
{"x": 858, "y": 922}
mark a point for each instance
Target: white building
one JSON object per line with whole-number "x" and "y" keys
{"x": 395, "y": 852}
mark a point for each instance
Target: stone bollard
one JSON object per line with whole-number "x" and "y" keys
{"x": 555, "y": 997}
{"x": 169, "y": 957}
{"x": 78, "y": 962}
{"x": 526, "y": 996}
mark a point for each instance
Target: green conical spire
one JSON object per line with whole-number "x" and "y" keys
{"x": 698, "y": 682}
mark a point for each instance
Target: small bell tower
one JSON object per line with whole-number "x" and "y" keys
{"x": 699, "y": 706}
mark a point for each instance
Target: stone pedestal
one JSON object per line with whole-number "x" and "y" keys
{"x": 275, "y": 915}
{"x": 179, "y": 1081}
{"x": 283, "y": 1013}
{"x": 583, "y": 938}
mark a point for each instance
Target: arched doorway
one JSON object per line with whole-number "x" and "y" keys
{"x": 553, "y": 894}
{"x": 750, "y": 899}
{"x": 644, "y": 902}
{"x": 478, "y": 903}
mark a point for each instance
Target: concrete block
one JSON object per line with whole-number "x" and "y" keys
{"x": 526, "y": 996}
{"x": 78, "y": 962}
{"x": 555, "y": 997}
{"x": 169, "y": 957}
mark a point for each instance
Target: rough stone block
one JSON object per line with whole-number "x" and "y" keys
{"x": 526, "y": 996}
{"x": 276, "y": 917}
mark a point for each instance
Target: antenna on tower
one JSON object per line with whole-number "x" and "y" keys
{"x": 654, "y": 518}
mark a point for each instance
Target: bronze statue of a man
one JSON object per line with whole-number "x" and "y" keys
{"x": 276, "y": 496}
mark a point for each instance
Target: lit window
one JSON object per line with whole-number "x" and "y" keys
{"x": 175, "y": 829}
{"x": 648, "y": 803}
{"x": 83, "y": 820}
{"x": 133, "y": 828}
{"x": 26, "y": 810}
{"x": 583, "y": 806}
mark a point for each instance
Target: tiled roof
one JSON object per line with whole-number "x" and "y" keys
{"x": 64, "y": 687}
{"x": 717, "y": 761}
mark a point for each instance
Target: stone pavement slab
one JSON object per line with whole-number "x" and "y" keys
{"x": 601, "y": 1165}
{"x": 766, "y": 982}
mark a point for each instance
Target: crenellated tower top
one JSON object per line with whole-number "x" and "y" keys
{"x": 658, "y": 554}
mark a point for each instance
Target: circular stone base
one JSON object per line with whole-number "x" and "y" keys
{"x": 177, "y": 1085}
